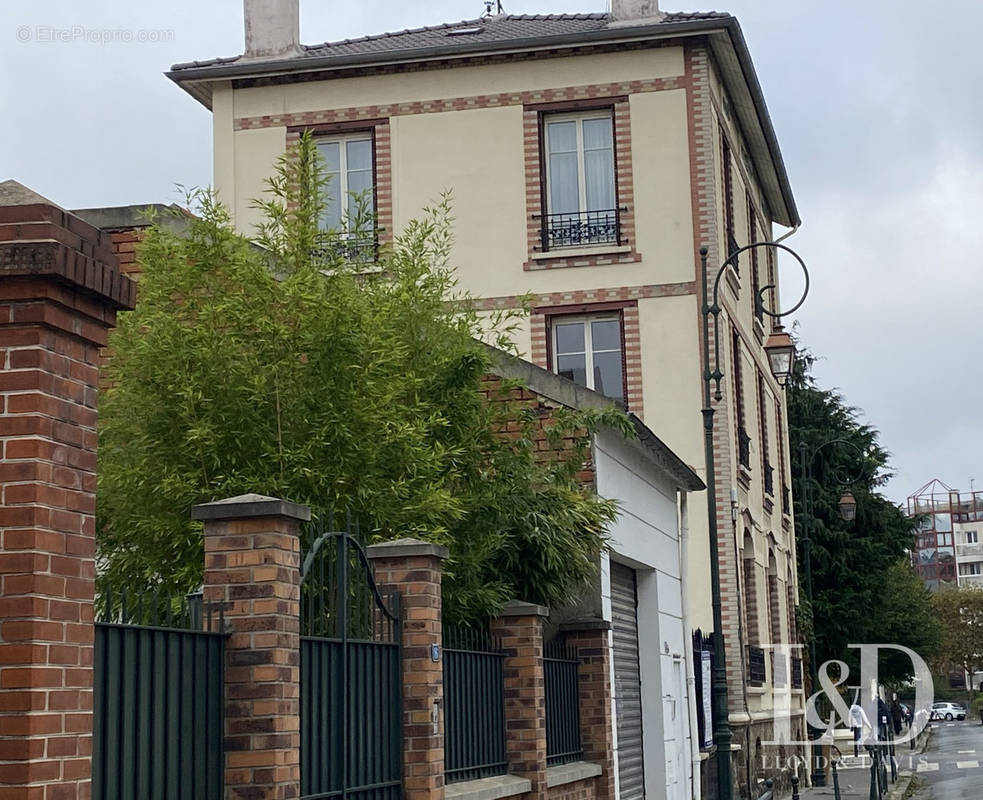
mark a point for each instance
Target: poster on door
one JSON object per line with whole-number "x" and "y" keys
{"x": 707, "y": 718}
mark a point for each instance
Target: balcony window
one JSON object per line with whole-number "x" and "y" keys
{"x": 737, "y": 379}
{"x": 349, "y": 194}
{"x": 588, "y": 351}
{"x": 581, "y": 194}
{"x": 796, "y": 673}
{"x": 779, "y": 668}
{"x": 743, "y": 448}
{"x": 728, "y": 188}
{"x": 972, "y": 537}
{"x": 766, "y": 468}
{"x": 757, "y": 671}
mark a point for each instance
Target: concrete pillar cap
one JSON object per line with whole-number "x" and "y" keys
{"x": 585, "y": 624}
{"x": 518, "y": 608}
{"x": 402, "y": 548}
{"x": 250, "y": 505}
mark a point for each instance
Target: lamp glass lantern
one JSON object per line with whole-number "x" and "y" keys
{"x": 781, "y": 354}
{"x": 847, "y": 506}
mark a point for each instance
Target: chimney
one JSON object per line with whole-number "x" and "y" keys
{"x": 272, "y": 28}
{"x": 629, "y": 12}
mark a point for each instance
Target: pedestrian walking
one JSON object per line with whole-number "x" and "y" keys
{"x": 883, "y": 719}
{"x": 897, "y": 714}
{"x": 858, "y": 724}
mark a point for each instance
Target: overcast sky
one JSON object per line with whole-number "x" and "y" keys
{"x": 877, "y": 105}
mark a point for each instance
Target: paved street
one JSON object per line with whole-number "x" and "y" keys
{"x": 952, "y": 767}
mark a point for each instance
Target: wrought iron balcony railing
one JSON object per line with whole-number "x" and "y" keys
{"x": 756, "y": 670}
{"x": 356, "y": 248}
{"x": 581, "y": 228}
{"x": 769, "y": 476}
{"x": 796, "y": 673}
{"x": 743, "y": 448}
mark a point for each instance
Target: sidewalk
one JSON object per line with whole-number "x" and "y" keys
{"x": 854, "y": 777}
{"x": 854, "y": 783}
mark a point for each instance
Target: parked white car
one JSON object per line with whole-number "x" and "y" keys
{"x": 947, "y": 711}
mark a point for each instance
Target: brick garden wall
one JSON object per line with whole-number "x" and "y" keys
{"x": 541, "y": 410}
{"x": 578, "y": 790}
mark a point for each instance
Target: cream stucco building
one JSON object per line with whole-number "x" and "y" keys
{"x": 590, "y": 156}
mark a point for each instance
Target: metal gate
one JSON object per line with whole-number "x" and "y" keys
{"x": 351, "y": 727}
{"x": 158, "y": 709}
{"x": 628, "y": 683}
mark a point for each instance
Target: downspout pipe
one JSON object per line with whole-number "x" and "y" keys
{"x": 792, "y": 232}
{"x": 694, "y": 731}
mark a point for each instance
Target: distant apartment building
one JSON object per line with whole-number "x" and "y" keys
{"x": 949, "y": 543}
{"x": 590, "y": 157}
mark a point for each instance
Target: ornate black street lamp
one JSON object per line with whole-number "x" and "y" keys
{"x": 847, "y": 507}
{"x": 781, "y": 354}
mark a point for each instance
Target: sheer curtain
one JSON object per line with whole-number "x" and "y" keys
{"x": 564, "y": 170}
{"x": 598, "y": 164}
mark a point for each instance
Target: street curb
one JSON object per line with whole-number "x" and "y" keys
{"x": 900, "y": 787}
{"x": 904, "y": 781}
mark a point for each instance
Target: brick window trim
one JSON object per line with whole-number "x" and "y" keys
{"x": 541, "y": 321}
{"x": 529, "y": 98}
{"x": 588, "y": 296}
{"x": 382, "y": 181}
{"x": 727, "y": 175}
{"x": 533, "y": 137}
{"x": 341, "y": 126}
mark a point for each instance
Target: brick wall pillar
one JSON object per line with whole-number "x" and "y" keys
{"x": 414, "y": 569}
{"x": 520, "y": 627}
{"x": 59, "y": 294}
{"x": 252, "y": 567}
{"x": 590, "y": 639}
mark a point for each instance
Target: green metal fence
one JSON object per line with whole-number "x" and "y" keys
{"x": 351, "y": 742}
{"x": 474, "y": 705}
{"x": 157, "y": 700}
{"x": 561, "y": 667}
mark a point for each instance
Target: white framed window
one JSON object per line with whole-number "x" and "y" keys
{"x": 588, "y": 351}
{"x": 581, "y": 195}
{"x": 972, "y": 537}
{"x": 348, "y": 163}
{"x": 974, "y": 568}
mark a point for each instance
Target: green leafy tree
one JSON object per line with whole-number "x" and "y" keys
{"x": 863, "y": 588}
{"x": 904, "y": 616}
{"x": 960, "y": 614}
{"x": 280, "y": 367}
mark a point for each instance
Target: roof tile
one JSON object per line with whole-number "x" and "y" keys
{"x": 450, "y": 36}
